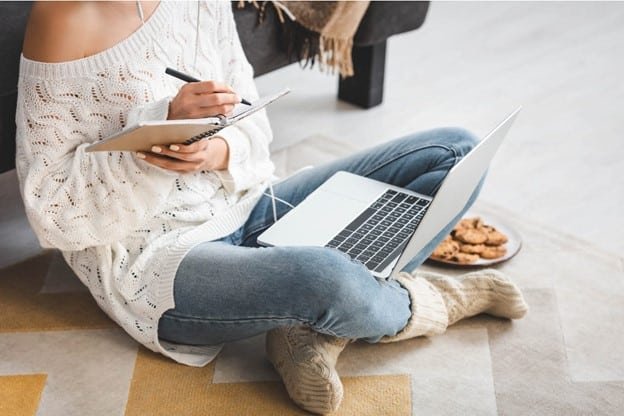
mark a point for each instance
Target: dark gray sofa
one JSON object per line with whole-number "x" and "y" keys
{"x": 262, "y": 43}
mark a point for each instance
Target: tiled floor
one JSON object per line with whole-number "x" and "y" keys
{"x": 558, "y": 180}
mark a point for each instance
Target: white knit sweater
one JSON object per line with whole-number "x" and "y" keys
{"x": 124, "y": 225}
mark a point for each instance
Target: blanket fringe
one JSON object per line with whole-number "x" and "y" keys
{"x": 307, "y": 46}
{"x": 336, "y": 54}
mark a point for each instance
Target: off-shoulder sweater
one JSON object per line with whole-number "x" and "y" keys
{"x": 122, "y": 224}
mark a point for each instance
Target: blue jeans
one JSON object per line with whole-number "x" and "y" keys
{"x": 232, "y": 289}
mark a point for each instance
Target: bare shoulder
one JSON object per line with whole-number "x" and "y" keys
{"x": 57, "y": 31}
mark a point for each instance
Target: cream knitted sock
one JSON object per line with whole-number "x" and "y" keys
{"x": 438, "y": 300}
{"x": 306, "y": 361}
{"x": 485, "y": 291}
{"x": 429, "y": 314}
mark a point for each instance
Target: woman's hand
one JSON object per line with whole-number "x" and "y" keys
{"x": 196, "y": 100}
{"x": 205, "y": 154}
{"x": 202, "y": 99}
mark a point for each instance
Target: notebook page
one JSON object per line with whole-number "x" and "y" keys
{"x": 242, "y": 111}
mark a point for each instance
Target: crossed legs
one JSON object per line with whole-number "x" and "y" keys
{"x": 232, "y": 289}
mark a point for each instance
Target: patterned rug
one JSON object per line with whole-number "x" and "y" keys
{"x": 60, "y": 355}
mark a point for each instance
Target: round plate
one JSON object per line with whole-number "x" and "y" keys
{"x": 513, "y": 244}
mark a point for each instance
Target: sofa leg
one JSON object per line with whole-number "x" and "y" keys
{"x": 365, "y": 88}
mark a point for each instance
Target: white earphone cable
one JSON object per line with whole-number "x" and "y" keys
{"x": 196, "y": 39}
{"x": 140, "y": 11}
{"x": 274, "y": 204}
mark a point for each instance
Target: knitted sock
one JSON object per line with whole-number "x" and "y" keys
{"x": 429, "y": 314}
{"x": 306, "y": 361}
{"x": 486, "y": 291}
{"x": 438, "y": 300}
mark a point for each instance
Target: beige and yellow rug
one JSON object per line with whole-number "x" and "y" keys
{"x": 59, "y": 355}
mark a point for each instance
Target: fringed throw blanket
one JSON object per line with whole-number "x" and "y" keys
{"x": 319, "y": 30}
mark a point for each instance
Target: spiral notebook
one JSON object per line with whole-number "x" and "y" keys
{"x": 146, "y": 134}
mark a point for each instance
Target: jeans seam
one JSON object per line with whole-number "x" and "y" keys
{"x": 197, "y": 319}
{"x": 302, "y": 321}
{"x": 263, "y": 227}
{"x": 407, "y": 152}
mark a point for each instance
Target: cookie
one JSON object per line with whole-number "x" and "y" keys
{"x": 495, "y": 237}
{"x": 493, "y": 252}
{"x": 464, "y": 258}
{"x": 471, "y": 248}
{"x": 446, "y": 249}
{"x": 470, "y": 240}
{"x": 471, "y": 236}
{"x": 477, "y": 222}
{"x": 465, "y": 223}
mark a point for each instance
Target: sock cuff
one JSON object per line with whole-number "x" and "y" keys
{"x": 429, "y": 314}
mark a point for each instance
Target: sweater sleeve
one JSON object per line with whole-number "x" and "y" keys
{"x": 248, "y": 140}
{"x": 74, "y": 199}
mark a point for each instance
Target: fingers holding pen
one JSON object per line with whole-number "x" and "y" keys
{"x": 207, "y": 87}
{"x": 220, "y": 101}
{"x": 203, "y": 99}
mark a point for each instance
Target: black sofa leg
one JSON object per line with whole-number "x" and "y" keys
{"x": 365, "y": 88}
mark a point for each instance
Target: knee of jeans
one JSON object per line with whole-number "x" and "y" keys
{"x": 333, "y": 276}
{"x": 460, "y": 139}
{"x": 355, "y": 289}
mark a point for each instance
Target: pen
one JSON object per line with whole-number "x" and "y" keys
{"x": 188, "y": 78}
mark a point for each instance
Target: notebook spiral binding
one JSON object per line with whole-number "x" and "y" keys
{"x": 200, "y": 136}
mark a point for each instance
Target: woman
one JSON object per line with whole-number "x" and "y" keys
{"x": 166, "y": 240}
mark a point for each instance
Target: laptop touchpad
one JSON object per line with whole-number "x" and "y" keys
{"x": 316, "y": 220}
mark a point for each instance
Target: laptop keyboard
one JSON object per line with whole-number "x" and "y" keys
{"x": 379, "y": 234}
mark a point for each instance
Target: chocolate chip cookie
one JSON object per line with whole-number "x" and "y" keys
{"x": 471, "y": 240}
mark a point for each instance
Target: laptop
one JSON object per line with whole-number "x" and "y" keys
{"x": 381, "y": 225}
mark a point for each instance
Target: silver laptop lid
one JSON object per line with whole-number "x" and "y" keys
{"x": 455, "y": 191}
